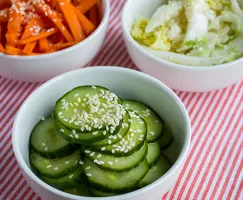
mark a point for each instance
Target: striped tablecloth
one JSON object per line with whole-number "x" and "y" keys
{"x": 214, "y": 168}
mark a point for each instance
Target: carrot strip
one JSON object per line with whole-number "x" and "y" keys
{"x": 4, "y": 14}
{"x": 85, "y": 5}
{"x": 29, "y": 30}
{"x": 14, "y": 24}
{"x": 76, "y": 2}
{"x": 72, "y": 20}
{"x": 37, "y": 37}
{"x": 93, "y": 15}
{"x": 2, "y": 48}
{"x": 62, "y": 46}
{"x": 43, "y": 45}
{"x": 29, "y": 47}
{"x": 13, "y": 51}
{"x": 47, "y": 11}
{"x": 85, "y": 22}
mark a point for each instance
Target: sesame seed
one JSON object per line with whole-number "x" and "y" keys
{"x": 116, "y": 160}
{"x": 56, "y": 168}
{"x": 43, "y": 144}
{"x": 46, "y": 148}
{"x": 75, "y": 110}
{"x": 62, "y": 130}
{"x": 103, "y": 148}
{"x": 156, "y": 121}
{"x": 88, "y": 167}
{"x": 99, "y": 156}
{"x": 43, "y": 118}
{"x": 93, "y": 87}
{"x": 89, "y": 174}
{"x": 104, "y": 132}
{"x": 73, "y": 131}
{"x": 81, "y": 162}
{"x": 76, "y": 136}
{"x": 48, "y": 166}
{"x": 113, "y": 151}
{"x": 70, "y": 176}
{"x": 66, "y": 162}
{"x": 109, "y": 142}
{"x": 110, "y": 163}
{"x": 60, "y": 113}
{"x": 152, "y": 133}
{"x": 95, "y": 133}
{"x": 86, "y": 151}
{"x": 92, "y": 154}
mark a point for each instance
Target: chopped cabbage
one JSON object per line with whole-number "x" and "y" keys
{"x": 193, "y": 32}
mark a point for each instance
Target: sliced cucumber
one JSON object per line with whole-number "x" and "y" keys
{"x": 112, "y": 139}
{"x": 133, "y": 140}
{"x": 89, "y": 108}
{"x": 167, "y": 137}
{"x": 81, "y": 190}
{"x": 66, "y": 182}
{"x": 55, "y": 168}
{"x": 98, "y": 193}
{"x": 114, "y": 181}
{"x": 47, "y": 142}
{"x": 161, "y": 167}
{"x": 118, "y": 164}
{"x": 154, "y": 123}
{"x": 81, "y": 137}
{"x": 153, "y": 153}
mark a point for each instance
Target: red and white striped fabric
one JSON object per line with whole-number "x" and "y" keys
{"x": 214, "y": 168}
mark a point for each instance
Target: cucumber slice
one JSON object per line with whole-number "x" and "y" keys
{"x": 80, "y": 137}
{"x": 98, "y": 193}
{"x": 114, "y": 181}
{"x": 154, "y": 123}
{"x": 161, "y": 167}
{"x": 47, "y": 142}
{"x": 66, "y": 182}
{"x": 112, "y": 139}
{"x": 81, "y": 190}
{"x": 55, "y": 168}
{"x": 118, "y": 164}
{"x": 153, "y": 153}
{"x": 89, "y": 108}
{"x": 166, "y": 139}
{"x": 133, "y": 140}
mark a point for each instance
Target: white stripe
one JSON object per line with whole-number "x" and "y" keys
{"x": 5, "y": 88}
{"x": 26, "y": 186}
{"x": 206, "y": 147}
{"x": 9, "y": 165}
{"x": 17, "y": 185}
{"x": 240, "y": 178}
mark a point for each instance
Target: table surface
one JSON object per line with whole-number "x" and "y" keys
{"x": 214, "y": 168}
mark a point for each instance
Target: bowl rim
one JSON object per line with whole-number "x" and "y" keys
{"x": 178, "y": 163}
{"x": 101, "y": 26}
{"x": 128, "y": 36}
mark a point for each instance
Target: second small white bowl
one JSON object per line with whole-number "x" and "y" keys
{"x": 176, "y": 76}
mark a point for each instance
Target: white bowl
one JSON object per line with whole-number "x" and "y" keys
{"x": 179, "y": 77}
{"x": 44, "y": 67}
{"x": 127, "y": 84}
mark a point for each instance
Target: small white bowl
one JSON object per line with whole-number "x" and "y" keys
{"x": 44, "y": 67}
{"x": 127, "y": 84}
{"x": 179, "y": 77}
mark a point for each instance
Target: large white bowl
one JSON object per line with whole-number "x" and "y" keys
{"x": 125, "y": 83}
{"x": 43, "y": 67}
{"x": 179, "y": 77}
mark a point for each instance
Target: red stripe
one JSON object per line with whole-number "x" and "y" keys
{"x": 240, "y": 190}
{"x": 26, "y": 192}
{"x": 10, "y": 191}
{"x": 209, "y": 149}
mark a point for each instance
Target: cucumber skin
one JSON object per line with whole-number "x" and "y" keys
{"x": 151, "y": 164}
{"x": 98, "y": 193}
{"x": 167, "y": 130}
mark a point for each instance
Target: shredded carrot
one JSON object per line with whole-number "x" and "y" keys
{"x": 43, "y": 45}
{"x": 29, "y": 47}
{"x": 13, "y": 51}
{"x": 87, "y": 25}
{"x": 47, "y": 11}
{"x": 62, "y": 46}
{"x": 2, "y": 48}
{"x": 93, "y": 15}
{"x": 14, "y": 24}
{"x": 85, "y": 5}
{"x": 37, "y": 37}
{"x": 72, "y": 20}
{"x": 34, "y": 27}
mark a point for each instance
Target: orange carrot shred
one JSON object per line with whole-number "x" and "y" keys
{"x": 47, "y": 11}
{"x": 87, "y": 25}
{"x": 4, "y": 14}
{"x": 29, "y": 47}
{"x": 93, "y": 15}
{"x": 62, "y": 46}
{"x": 85, "y": 5}
{"x": 37, "y": 37}
{"x": 43, "y": 45}
{"x": 13, "y": 51}
{"x": 72, "y": 20}
{"x": 2, "y": 48}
